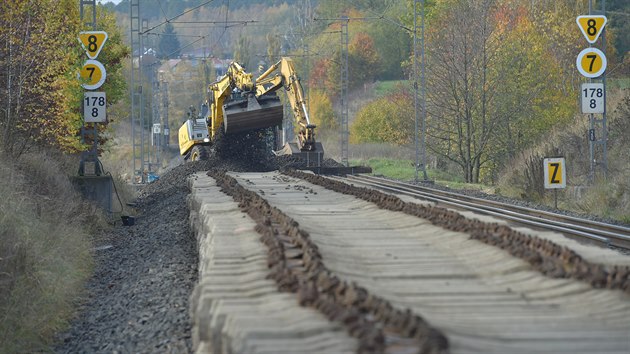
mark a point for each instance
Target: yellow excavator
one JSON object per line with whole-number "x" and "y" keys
{"x": 238, "y": 104}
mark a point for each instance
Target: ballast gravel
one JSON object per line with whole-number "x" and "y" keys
{"x": 138, "y": 298}
{"x": 138, "y": 295}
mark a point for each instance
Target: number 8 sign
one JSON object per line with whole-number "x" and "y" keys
{"x": 591, "y": 62}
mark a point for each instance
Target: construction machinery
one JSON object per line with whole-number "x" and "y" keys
{"x": 239, "y": 104}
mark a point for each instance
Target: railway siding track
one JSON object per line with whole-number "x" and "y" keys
{"x": 544, "y": 255}
{"x": 482, "y": 298}
{"x": 604, "y": 233}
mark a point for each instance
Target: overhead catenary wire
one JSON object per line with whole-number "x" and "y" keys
{"x": 174, "y": 17}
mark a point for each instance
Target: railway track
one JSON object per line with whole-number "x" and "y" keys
{"x": 595, "y": 231}
{"x": 346, "y": 269}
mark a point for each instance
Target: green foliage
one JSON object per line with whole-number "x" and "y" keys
{"x": 375, "y": 51}
{"x": 40, "y": 55}
{"x": 398, "y": 169}
{"x": 242, "y": 52}
{"x": 528, "y": 106}
{"x": 388, "y": 119}
{"x": 169, "y": 46}
{"x": 273, "y": 47}
{"x": 39, "y": 90}
{"x": 321, "y": 111}
{"x": 403, "y": 169}
{"x": 390, "y": 40}
{"x": 113, "y": 56}
{"x": 382, "y": 88}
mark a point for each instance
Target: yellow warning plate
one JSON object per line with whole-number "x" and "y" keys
{"x": 591, "y": 62}
{"x": 92, "y": 42}
{"x": 92, "y": 75}
{"x": 591, "y": 26}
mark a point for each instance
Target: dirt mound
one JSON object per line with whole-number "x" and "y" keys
{"x": 234, "y": 159}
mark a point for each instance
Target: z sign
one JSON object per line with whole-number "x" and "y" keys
{"x": 555, "y": 173}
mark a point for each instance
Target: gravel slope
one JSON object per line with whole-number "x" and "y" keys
{"x": 138, "y": 296}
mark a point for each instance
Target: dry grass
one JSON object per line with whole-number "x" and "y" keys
{"x": 607, "y": 198}
{"x": 44, "y": 250}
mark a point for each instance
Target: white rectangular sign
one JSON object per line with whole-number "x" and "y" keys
{"x": 94, "y": 107}
{"x": 555, "y": 173}
{"x": 592, "y": 97}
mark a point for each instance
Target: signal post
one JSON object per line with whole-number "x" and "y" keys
{"x": 592, "y": 63}
{"x": 92, "y": 183}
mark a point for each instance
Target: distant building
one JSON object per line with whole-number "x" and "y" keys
{"x": 197, "y": 55}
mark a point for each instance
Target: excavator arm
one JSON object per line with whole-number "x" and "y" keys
{"x": 238, "y": 104}
{"x": 220, "y": 90}
{"x": 286, "y": 76}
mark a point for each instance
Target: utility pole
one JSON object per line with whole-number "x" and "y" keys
{"x": 137, "y": 126}
{"x": 421, "y": 165}
{"x": 344, "y": 90}
{"x": 165, "y": 104}
{"x": 146, "y": 136}
{"x": 156, "y": 137}
{"x": 597, "y": 127}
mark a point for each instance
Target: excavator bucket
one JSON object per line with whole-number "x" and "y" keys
{"x": 252, "y": 113}
{"x": 313, "y": 158}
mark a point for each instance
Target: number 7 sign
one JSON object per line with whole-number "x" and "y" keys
{"x": 591, "y": 62}
{"x": 555, "y": 173}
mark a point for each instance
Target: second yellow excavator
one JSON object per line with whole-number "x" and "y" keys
{"x": 238, "y": 104}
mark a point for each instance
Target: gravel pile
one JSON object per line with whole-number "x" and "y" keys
{"x": 144, "y": 274}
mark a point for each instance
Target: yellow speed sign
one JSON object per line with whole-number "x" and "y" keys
{"x": 591, "y": 26}
{"x": 591, "y": 62}
{"x": 92, "y": 74}
{"x": 92, "y": 42}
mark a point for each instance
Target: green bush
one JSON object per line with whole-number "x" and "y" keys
{"x": 389, "y": 119}
{"x": 44, "y": 251}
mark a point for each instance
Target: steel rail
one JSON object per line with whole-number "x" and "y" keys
{"x": 607, "y": 234}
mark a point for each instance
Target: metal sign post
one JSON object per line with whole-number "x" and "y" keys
{"x": 591, "y": 63}
{"x": 93, "y": 76}
{"x": 92, "y": 184}
{"x": 555, "y": 175}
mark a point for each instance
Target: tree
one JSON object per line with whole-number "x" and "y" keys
{"x": 321, "y": 110}
{"x": 363, "y": 60}
{"x": 273, "y": 47}
{"x": 389, "y": 119}
{"x": 169, "y": 46}
{"x": 38, "y": 91}
{"x": 460, "y": 88}
{"x": 242, "y": 52}
{"x": 39, "y": 57}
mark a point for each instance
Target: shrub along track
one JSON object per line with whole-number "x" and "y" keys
{"x": 545, "y": 256}
{"x": 297, "y": 266}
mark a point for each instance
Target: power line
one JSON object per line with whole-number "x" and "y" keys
{"x": 174, "y": 17}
